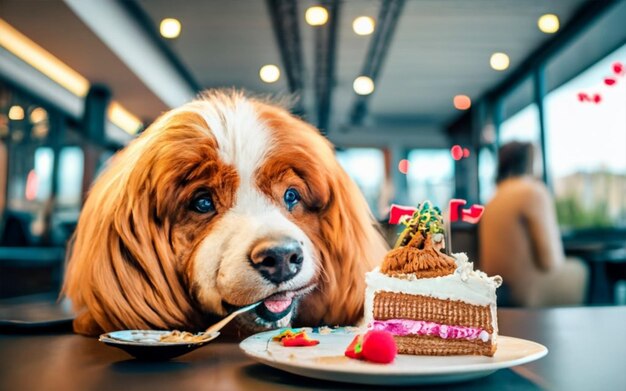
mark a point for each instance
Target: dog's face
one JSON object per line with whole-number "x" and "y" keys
{"x": 220, "y": 204}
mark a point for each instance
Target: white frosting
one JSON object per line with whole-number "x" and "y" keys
{"x": 465, "y": 284}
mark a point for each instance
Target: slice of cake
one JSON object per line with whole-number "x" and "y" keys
{"x": 433, "y": 304}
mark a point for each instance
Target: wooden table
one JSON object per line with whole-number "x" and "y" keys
{"x": 587, "y": 352}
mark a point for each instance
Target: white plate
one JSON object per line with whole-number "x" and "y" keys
{"x": 326, "y": 361}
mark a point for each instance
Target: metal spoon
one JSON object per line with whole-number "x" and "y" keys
{"x": 220, "y": 325}
{"x": 147, "y": 344}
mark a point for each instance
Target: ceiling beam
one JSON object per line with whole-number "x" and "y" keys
{"x": 582, "y": 19}
{"x": 379, "y": 46}
{"x": 325, "y": 54}
{"x": 284, "y": 16}
{"x": 135, "y": 46}
{"x": 150, "y": 27}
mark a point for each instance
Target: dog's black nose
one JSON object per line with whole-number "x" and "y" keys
{"x": 278, "y": 260}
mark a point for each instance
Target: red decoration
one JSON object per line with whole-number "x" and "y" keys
{"x": 291, "y": 338}
{"x": 618, "y": 70}
{"x": 584, "y": 97}
{"x": 609, "y": 81}
{"x": 457, "y": 152}
{"x": 403, "y": 166}
{"x": 397, "y": 211}
{"x": 471, "y": 215}
{"x": 466, "y": 152}
{"x": 376, "y": 346}
{"x": 355, "y": 349}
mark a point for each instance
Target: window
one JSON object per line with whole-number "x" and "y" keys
{"x": 586, "y": 147}
{"x": 366, "y": 166}
{"x": 430, "y": 176}
{"x": 70, "y": 179}
{"x": 523, "y": 126}
{"x": 39, "y": 180}
{"x": 486, "y": 174}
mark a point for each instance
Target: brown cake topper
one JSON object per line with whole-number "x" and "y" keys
{"x": 418, "y": 249}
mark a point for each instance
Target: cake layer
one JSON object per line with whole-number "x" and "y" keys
{"x": 471, "y": 286}
{"x": 435, "y": 346}
{"x": 389, "y": 305}
{"x": 420, "y": 327}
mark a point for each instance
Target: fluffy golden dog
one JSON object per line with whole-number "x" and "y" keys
{"x": 223, "y": 202}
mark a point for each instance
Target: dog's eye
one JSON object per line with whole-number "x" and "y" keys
{"x": 291, "y": 198}
{"x": 203, "y": 204}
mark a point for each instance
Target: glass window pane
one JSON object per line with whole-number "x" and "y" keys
{"x": 71, "y": 164}
{"x": 586, "y": 147}
{"x": 366, "y": 166}
{"x": 39, "y": 181}
{"x": 430, "y": 176}
{"x": 523, "y": 126}
{"x": 486, "y": 174}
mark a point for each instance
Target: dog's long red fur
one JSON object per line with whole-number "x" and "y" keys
{"x": 129, "y": 265}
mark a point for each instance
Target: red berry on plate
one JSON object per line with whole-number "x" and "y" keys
{"x": 379, "y": 346}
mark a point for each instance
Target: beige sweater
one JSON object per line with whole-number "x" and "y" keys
{"x": 519, "y": 237}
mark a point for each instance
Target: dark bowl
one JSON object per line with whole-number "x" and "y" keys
{"x": 145, "y": 345}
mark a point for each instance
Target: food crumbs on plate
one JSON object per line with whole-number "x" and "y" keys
{"x": 333, "y": 360}
{"x": 325, "y": 330}
{"x": 376, "y": 346}
{"x": 291, "y": 338}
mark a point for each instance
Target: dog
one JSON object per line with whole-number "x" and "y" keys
{"x": 226, "y": 201}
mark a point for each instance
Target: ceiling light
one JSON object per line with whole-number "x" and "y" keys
{"x": 316, "y": 16}
{"x": 462, "y": 102}
{"x": 457, "y": 152}
{"x": 123, "y": 119}
{"x": 363, "y": 85}
{"x": 40, "y": 59}
{"x": 40, "y": 130}
{"x": 269, "y": 73}
{"x": 499, "y": 61}
{"x": 363, "y": 25}
{"x": 39, "y": 114}
{"x": 16, "y": 113}
{"x": 170, "y": 28}
{"x": 403, "y": 166}
{"x": 548, "y": 23}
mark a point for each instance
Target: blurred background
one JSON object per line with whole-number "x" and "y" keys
{"x": 417, "y": 95}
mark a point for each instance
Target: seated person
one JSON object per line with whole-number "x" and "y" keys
{"x": 520, "y": 240}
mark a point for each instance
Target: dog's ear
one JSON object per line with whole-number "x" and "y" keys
{"x": 350, "y": 245}
{"x": 121, "y": 270}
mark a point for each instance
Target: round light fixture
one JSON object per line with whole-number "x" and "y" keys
{"x": 457, "y": 152}
{"x": 170, "y": 28}
{"x": 462, "y": 102}
{"x": 16, "y": 113}
{"x": 363, "y": 25}
{"x": 548, "y": 23}
{"x": 499, "y": 61}
{"x": 316, "y": 15}
{"x": 38, "y": 114}
{"x": 363, "y": 85}
{"x": 269, "y": 73}
{"x": 403, "y": 166}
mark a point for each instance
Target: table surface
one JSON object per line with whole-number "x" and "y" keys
{"x": 587, "y": 352}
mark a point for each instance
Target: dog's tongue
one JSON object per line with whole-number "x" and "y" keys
{"x": 279, "y": 303}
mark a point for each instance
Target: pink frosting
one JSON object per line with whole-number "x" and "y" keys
{"x": 406, "y": 327}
